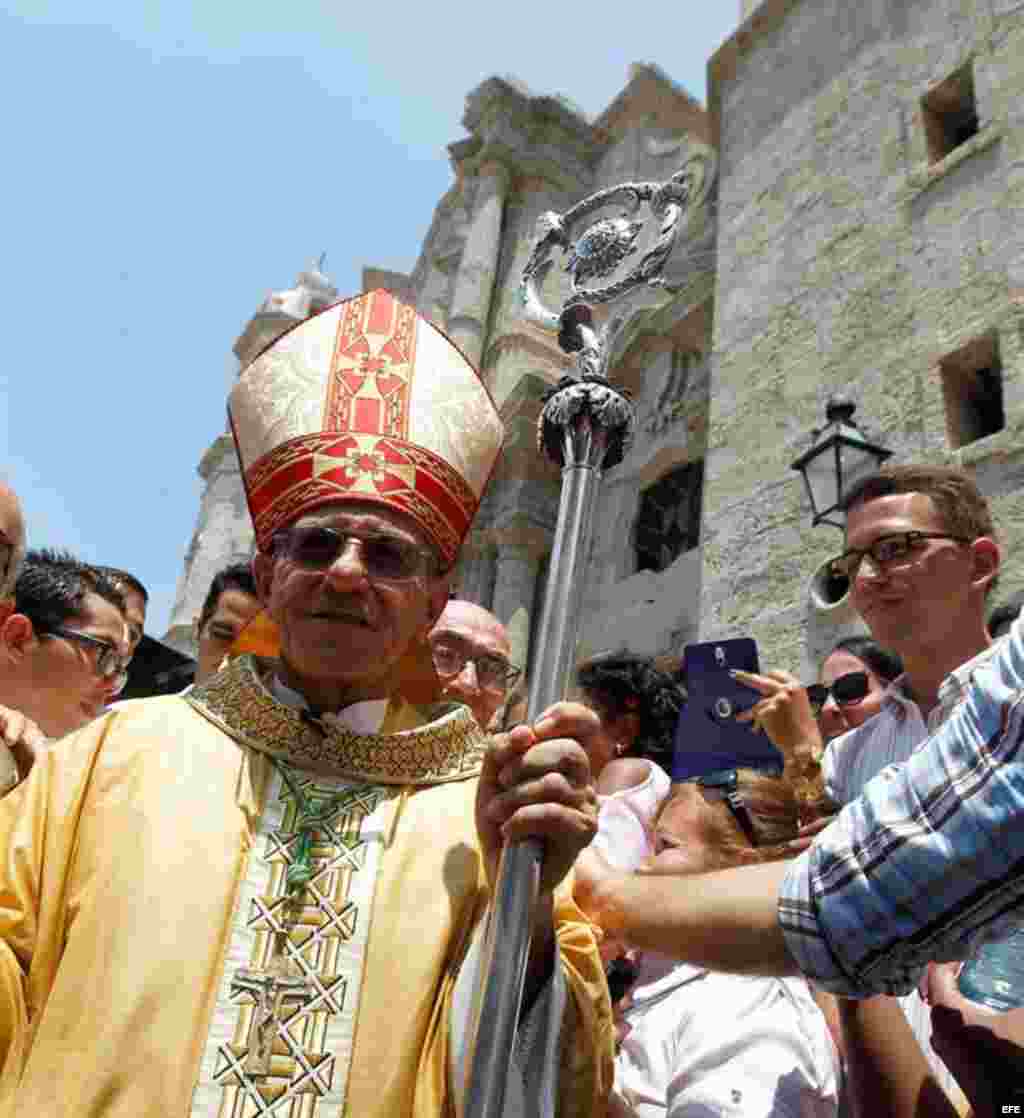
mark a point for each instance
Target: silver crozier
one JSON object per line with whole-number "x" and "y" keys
{"x": 585, "y": 427}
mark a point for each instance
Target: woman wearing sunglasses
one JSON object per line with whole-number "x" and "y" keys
{"x": 854, "y": 677}
{"x": 801, "y": 720}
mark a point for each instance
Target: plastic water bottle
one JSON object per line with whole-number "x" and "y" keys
{"x": 994, "y": 975}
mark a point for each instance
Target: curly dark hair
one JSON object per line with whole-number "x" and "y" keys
{"x": 622, "y": 683}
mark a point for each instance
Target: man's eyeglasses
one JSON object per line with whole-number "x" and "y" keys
{"x": 492, "y": 672}
{"x": 845, "y": 689}
{"x": 886, "y": 549}
{"x": 384, "y": 556}
{"x": 108, "y": 660}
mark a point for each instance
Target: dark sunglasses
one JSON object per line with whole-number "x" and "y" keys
{"x": 383, "y": 556}
{"x": 847, "y": 689}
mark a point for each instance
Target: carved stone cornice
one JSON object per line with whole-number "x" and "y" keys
{"x": 531, "y": 340}
{"x": 526, "y": 185}
{"x": 692, "y": 332}
{"x": 519, "y": 462}
{"x": 536, "y": 137}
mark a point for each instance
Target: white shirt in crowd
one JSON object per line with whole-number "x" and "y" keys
{"x": 853, "y": 759}
{"x": 892, "y": 735}
{"x": 625, "y": 835}
{"x": 703, "y": 1045}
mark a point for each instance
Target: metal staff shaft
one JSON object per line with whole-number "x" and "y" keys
{"x": 582, "y": 416}
{"x": 586, "y": 427}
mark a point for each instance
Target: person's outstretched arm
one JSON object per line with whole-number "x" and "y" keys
{"x": 927, "y": 861}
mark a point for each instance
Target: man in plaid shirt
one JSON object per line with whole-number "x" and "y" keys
{"x": 928, "y": 859}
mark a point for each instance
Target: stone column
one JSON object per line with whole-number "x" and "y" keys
{"x": 474, "y": 579}
{"x": 515, "y": 588}
{"x": 223, "y": 535}
{"x": 474, "y": 281}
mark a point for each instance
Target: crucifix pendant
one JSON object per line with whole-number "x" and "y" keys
{"x": 279, "y": 987}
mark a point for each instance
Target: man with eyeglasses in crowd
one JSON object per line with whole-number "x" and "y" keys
{"x": 268, "y": 894}
{"x": 64, "y": 645}
{"x": 471, "y": 653}
{"x": 922, "y": 557}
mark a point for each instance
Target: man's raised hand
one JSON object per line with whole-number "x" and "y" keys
{"x": 536, "y": 783}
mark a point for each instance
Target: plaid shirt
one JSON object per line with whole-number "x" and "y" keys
{"x": 930, "y": 859}
{"x": 893, "y": 734}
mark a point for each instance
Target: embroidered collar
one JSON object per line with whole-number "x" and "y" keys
{"x": 448, "y": 747}
{"x": 364, "y": 717}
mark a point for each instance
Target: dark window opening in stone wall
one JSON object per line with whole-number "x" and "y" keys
{"x": 972, "y": 388}
{"x": 669, "y": 520}
{"x": 950, "y": 113}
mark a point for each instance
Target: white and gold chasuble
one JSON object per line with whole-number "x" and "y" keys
{"x": 325, "y": 941}
{"x": 142, "y": 892}
{"x": 322, "y": 938}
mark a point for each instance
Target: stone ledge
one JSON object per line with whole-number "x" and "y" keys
{"x": 1002, "y": 446}
{"x": 925, "y": 175}
{"x": 531, "y": 340}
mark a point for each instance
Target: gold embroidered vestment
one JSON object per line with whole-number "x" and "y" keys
{"x": 143, "y": 892}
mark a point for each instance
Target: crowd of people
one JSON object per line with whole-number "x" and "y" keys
{"x": 267, "y": 894}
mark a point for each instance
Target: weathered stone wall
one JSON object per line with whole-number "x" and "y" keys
{"x": 834, "y": 254}
{"x": 846, "y": 261}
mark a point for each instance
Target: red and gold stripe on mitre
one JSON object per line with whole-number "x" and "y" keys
{"x": 367, "y": 401}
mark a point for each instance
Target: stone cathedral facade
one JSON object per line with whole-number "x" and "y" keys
{"x": 863, "y": 233}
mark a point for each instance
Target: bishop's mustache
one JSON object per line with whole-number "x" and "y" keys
{"x": 343, "y": 608}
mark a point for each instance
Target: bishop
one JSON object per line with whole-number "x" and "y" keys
{"x": 264, "y": 897}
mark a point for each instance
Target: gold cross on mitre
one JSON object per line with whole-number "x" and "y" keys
{"x": 270, "y": 990}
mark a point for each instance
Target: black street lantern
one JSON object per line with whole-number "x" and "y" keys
{"x": 840, "y": 457}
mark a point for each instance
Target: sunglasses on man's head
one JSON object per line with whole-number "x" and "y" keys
{"x": 846, "y": 689}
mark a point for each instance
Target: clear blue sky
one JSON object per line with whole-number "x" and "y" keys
{"x": 167, "y": 164}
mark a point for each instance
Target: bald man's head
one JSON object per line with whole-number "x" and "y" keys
{"x": 12, "y": 540}
{"x": 471, "y": 653}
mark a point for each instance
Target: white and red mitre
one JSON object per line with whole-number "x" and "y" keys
{"x": 366, "y": 401}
